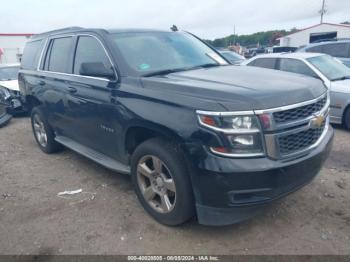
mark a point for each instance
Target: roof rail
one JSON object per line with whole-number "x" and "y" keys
{"x": 57, "y": 31}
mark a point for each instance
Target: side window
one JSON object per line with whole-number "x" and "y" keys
{"x": 296, "y": 66}
{"x": 58, "y": 55}
{"x": 89, "y": 50}
{"x": 315, "y": 49}
{"x": 264, "y": 62}
{"x": 337, "y": 50}
{"x": 31, "y": 55}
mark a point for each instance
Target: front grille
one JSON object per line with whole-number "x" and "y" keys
{"x": 299, "y": 141}
{"x": 299, "y": 112}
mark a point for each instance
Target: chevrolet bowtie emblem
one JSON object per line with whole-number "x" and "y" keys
{"x": 317, "y": 121}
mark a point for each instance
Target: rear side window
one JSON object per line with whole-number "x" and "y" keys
{"x": 31, "y": 55}
{"x": 337, "y": 50}
{"x": 315, "y": 49}
{"x": 89, "y": 50}
{"x": 264, "y": 62}
{"x": 59, "y": 54}
{"x": 295, "y": 66}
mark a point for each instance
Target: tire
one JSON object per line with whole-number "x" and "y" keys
{"x": 180, "y": 205}
{"x": 47, "y": 144}
{"x": 347, "y": 119}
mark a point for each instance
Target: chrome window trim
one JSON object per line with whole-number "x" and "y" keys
{"x": 71, "y": 74}
{"x": 284, "y": 108}
{"x": 67, "y": 74}
{"x": 41, "y": 55}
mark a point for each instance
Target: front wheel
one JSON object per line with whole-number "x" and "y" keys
{"x": 347, "y": 119}
{"x": 162, "y": 182}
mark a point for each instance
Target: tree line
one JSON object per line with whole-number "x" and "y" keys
{"x": 268, "y": 38}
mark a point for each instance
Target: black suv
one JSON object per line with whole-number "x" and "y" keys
{"x": 198, "y": 136}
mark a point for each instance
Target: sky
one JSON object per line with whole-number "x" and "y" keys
{"x": 208, "y": 19}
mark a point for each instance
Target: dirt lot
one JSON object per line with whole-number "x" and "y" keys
{"x": 107, "y": 218}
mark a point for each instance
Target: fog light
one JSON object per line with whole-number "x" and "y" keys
{"x": 247, "y": 140}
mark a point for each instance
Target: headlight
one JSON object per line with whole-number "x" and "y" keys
{"x": 242, "y": 132}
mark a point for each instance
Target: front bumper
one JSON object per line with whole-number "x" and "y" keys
{"x": 228, "y": 190}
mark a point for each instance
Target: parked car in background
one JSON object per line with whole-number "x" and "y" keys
{"x": 334, "y": 74}
{"x": 232, "y": 57}
{"x": 251, "y": 52}
{"x": 199, "y": 137}
{"x": 9, "y": 90}
{"x": 337, "y": 48}
{"x": 4, "y": 116}
{"x": 283, "y": 49}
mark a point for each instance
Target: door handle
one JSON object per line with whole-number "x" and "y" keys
{"x": 42, "y": 82}
{"x": 72, "y": 89}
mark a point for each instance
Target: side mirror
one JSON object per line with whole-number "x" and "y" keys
{"x": 96, "y": 69}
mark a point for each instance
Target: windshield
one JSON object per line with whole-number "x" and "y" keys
{"x": 9, "y": 73}
{"x": 330, "y": 67}
{"x": 232, "y": 56}
{"x": 149, "y": 52}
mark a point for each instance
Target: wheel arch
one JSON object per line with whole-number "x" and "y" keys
{"x": 346, "y": 109}
{"x": 31, "y": 102}
{"x": 139, "y": 132}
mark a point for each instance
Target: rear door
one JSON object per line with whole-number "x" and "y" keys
{"x": 90, "y": 100}
{"x": 269, "y": 63}
{"x": 295, "y": 66}
{"x": 54, "y": 74}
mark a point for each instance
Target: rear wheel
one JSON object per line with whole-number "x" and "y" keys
{"x": 162, "y": 182}
{"x": 43, "y": 133}
{"x": 347, "y": 119}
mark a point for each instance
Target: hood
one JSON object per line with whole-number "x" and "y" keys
{"x": 10, "y": 84}
{"x": 341, "y": 86}
{"x": 239, "y": 88}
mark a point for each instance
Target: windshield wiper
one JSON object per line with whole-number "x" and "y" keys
{"x": 165, "y": 72}
{"x": 169, "y": 71}
{"x": 341, "y": 78}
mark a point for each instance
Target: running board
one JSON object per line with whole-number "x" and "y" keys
{"x": 102, "y": 159}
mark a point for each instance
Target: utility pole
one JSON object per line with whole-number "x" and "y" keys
{"x": 234, "y": 35}
{"x": 323, "y": 10}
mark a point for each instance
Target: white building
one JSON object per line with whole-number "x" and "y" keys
{"x": 314, "y": 33}
{"x": 11, "y": 47}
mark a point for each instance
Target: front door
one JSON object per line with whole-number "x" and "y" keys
{"x": 90, "y": 99}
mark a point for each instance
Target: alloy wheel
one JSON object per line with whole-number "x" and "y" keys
{"x": 39, "y": 131}
{"x": 156, "y": 184}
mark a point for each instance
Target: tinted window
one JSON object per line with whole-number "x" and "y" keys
{"x": 31, "y": 55}
{"x": 89, "y": 50}
{"x": 58, "y": 57}
{"x": 337, "y": 50}
{"x": 264, "y": 62}
{"x": 295, "y": 66}
{"x": 315, "y": 49}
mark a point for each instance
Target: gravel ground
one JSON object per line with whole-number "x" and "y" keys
{"x": 106, "y": 217}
